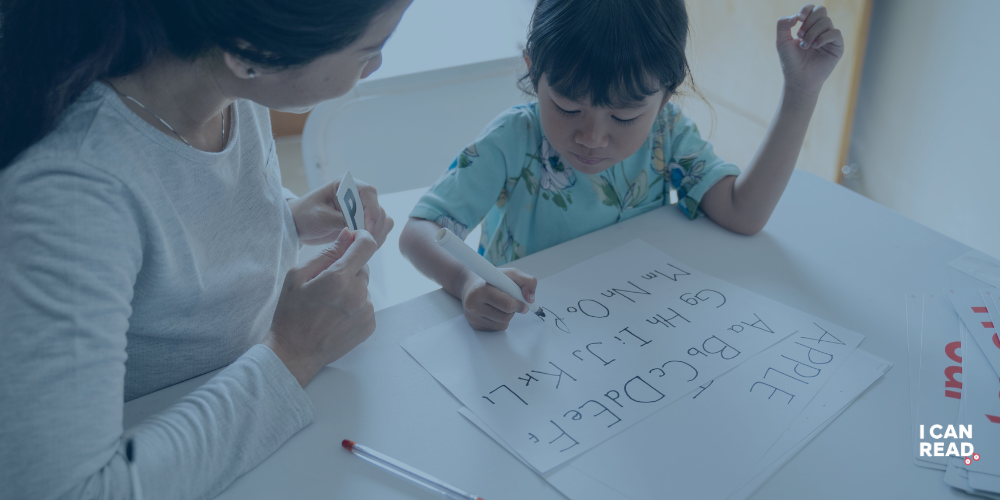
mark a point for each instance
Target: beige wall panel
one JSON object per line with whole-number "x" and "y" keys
{"x": 735, "y": 65}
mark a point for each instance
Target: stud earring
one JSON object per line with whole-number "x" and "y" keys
{"x": 251, "y": 74}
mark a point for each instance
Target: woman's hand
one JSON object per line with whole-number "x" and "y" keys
{"x": 324, "y": 309}
{"x": 489, "y": 309}
{"x": 808, "y": 58}
{"x": 318, "y": 218}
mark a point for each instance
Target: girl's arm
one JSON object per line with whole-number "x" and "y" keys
{"x": 485, "y": 306}
{"x": 417, "y": 244}
{"x": 744, "y": 204}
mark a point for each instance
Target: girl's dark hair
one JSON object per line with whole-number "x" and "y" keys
{"x": 611, "y": 52}
{"x": 52, "y": 50}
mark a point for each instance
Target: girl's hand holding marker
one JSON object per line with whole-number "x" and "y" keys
{"x": 490, "y": 295}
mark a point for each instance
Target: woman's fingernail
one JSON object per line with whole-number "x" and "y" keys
{"x": 802, "y": 45}
{"x": 802, "y": 34}
{"x": 531, "y": 297}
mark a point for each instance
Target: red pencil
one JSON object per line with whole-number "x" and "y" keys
{"x": 399, "y": 468}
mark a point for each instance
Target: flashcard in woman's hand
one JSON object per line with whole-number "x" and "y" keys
{"x": 350, "y": 203}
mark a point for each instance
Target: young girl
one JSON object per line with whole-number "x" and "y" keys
{"x": 603, "y": 143}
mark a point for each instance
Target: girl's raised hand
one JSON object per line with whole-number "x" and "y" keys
{"x": 808, "y": 58}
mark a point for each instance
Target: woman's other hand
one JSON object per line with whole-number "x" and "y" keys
{"x": 808, "y": 58}
{"x": 318, "y": 218}
{"x": 324, "y": 309}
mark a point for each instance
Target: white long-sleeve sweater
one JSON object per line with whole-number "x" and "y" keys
{"x": 129, "y": 262}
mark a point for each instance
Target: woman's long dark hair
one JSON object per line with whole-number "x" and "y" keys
{"x": 52, "y": 50}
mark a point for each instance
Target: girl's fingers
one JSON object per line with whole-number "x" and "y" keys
{"x": 804, "y": 12}
{"x": 487, "y": 324}
{"x": 817, "y": 13}
{"x": 497, "y": 316}
{"x": 503, "y": 303}
{"x": 832, "y": 38}
{"x": 785, "y": 25}
{"x": 821, "y": 26}
{"x": 525, "y": 282}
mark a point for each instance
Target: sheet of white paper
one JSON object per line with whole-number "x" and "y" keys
{"x": 350, "y": 203}
{"x": 940, "y": 369}
{"x": 730, "y": 424}
{"x": 914, "y": 321}
{"x": 626, "y": 333}
{"x": 478, "y": 422}
{"x": 971, "y": 307}
{"x": 859, "y": 371}
{"x": 577, "y": 485}
{"x": 574, "y": 484}
{"x": 832, "y": 400}
{"x": 991, "y": 347}
{"x": 980, "y": 266}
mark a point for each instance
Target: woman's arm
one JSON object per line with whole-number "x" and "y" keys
{"x": 744, "y": 204}
{"x": 71, "y": 242}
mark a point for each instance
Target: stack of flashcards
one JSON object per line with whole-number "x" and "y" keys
{"x": 639, "y": 353}
{"x": 954, "y": 355}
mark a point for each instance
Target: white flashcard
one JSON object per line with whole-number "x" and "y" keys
{"x": 971, "y": 478}
{"x": 981, "y": 412}
{"x": 986, "y": 485}
{"x": 940, "y": 387}
{"x": 350, "y": 203}
{"x": 991, "y": 345}
{"x": 972, "y": 308}
{"x": 914, "y": 322}
{"x": 634, "y": 331}
{"x": 980, "y": 266}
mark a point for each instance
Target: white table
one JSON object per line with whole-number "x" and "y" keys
{"x": 826, "y": 251}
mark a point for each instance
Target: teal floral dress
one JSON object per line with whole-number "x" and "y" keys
{"x": 528, "y": 199}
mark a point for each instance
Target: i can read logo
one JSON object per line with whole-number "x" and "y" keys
{"x": 948, "y": 442}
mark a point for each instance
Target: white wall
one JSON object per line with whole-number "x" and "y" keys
{"x": 928, "y": 119}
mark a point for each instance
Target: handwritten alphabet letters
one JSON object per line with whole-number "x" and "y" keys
{"x": 625, "y": 334}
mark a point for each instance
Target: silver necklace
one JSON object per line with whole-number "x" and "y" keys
{"x": 164, "y": 122}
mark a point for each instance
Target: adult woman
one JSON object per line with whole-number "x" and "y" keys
{"x": 146, "y": 239}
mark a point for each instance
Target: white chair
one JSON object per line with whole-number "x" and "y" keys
{"x": 400, "y": 134}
